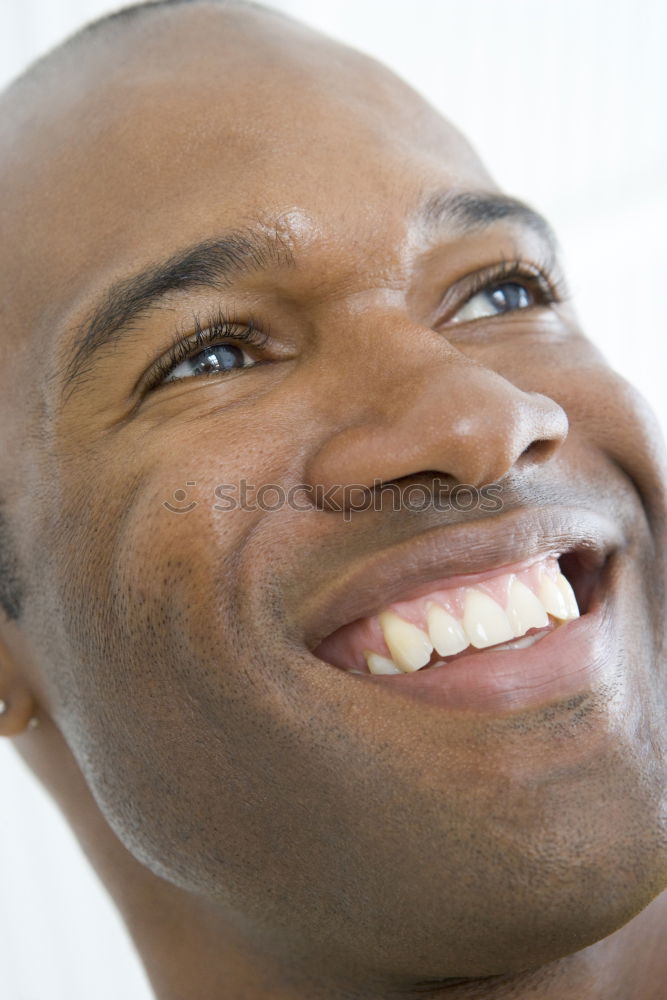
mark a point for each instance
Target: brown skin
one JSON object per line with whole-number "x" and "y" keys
{"x": 268, "y": 828}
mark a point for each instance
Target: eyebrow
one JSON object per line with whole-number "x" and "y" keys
{"x": 212, "y": 263}
{"x": 216, "y": 263}
{"x": 477, "y": 210}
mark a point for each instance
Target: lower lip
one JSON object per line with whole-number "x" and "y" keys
{"x": 569, "y": 661}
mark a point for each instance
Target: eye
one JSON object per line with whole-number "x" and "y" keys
{"x": 494, "y": 300}
{"x": 217, "y": 347}
{"x": 217, "y": 358}
{"x": 507, "y": 287}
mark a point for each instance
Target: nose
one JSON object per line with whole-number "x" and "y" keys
{"x": 446, "y": 414}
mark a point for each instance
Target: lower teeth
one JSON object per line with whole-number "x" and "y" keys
{"x": 525, "y": 640}
{"x": 522, "y": 643}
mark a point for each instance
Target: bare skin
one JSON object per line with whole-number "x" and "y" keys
{"x": 269, "y": 826}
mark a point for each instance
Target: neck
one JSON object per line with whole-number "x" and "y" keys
{"x": 186, "y": 952}
{"x": 188, "y": 948}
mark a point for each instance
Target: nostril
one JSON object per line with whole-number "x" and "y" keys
{"x": 539, "y": 451}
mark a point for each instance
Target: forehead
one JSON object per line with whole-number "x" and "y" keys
{"x": 154, "y": 137}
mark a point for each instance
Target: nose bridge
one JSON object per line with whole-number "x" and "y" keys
{"x": 432, "y": 410}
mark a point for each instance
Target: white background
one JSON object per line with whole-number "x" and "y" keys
{"x": 565, "y": 101}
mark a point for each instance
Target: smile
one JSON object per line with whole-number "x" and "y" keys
{"x": 523, "y": 633}
{"x": 525, "y": 603}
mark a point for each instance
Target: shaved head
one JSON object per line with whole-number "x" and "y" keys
{"x": 118, "y": 19}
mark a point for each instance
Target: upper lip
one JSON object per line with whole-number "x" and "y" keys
{"x": 488, "y": 543}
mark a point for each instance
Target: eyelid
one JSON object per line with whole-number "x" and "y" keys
{"x": 546, "y": 276}
{"x": 213, "y": 329}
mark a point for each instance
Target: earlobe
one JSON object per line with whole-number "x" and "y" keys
{"x": 17, "y": 705}
{"x": 17, "y": 710}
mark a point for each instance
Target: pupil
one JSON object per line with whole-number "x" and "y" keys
{"x": 219, "y": 358}
{"x": 510, "y": 296}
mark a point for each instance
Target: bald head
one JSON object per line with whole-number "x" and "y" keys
{"x": 117, "y": 20}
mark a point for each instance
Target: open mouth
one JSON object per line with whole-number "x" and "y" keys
{"x": 513, "y": 607}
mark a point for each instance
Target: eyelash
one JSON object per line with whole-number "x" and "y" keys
{"x": 217, "y": 327}
{"x": 209, "y": 331}
{"x": 542, "y": 276}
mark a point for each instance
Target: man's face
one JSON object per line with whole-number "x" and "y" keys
{"x": 517, "y": 816}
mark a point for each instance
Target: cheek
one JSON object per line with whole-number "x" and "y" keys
{"x": 155, "y": 577}
{"x": 606, "y": 411}
{"x": 608, "y": 414}
{"x": 158, "y": 694}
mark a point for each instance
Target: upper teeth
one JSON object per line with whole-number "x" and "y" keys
{"x": 532, "y": 595}
{"x": 409, "y": 646}
{"x": 525, "y": 609}
{"x": 484, "y": 620}
{"x": 445, "y": 631}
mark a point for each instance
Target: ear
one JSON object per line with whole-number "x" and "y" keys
{"x": 17, "y": 704}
